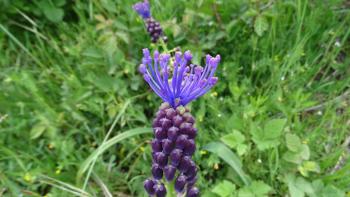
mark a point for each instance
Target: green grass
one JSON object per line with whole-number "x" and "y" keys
{"x": 71, "y": 95}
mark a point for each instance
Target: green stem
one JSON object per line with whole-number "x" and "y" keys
{"x": 170, "y": 189}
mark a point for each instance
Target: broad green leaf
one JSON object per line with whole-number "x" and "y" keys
{"x": 229, "y": 157}
{"x": 59, "y": 3}
{"x": 224, "y": 189}
{"x": 241, "y": 149}
{"x": 293, "y": 142}
{"x": 54, "y": 14}
{"x": 233, "y": 139}
{"x": 305, "y": 152}
{"x": 260, "y": 25}
{"x": 257, "y": 188}
{"x": 308, "y": 166}
{"x": 37, "y": 130}
{"x": 293, "y": 157}
{"x": 273, "y": 128}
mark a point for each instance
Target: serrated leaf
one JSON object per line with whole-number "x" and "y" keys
{"x": 293, "y": 142}
{"x": 260, "y": 25}
{"x": 224, "y": 189}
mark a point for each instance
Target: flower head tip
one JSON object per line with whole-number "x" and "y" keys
{"x": 180, "y": 82}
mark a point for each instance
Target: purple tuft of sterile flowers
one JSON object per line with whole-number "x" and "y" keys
{"x": 143, "y": 9}
{"x": 172, "y": 149}
{"x": 181, "y": 82}
{"x": 153, "y": 27}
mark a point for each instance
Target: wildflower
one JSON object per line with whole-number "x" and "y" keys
{"x": 174, "y": 133}
{"x": 152, "y": 26}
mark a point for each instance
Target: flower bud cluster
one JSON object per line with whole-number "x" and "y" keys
{"x": 155, "y": 30}
{"x": 172, "y": 149}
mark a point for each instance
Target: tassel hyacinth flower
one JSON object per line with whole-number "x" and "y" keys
{"x": 153, "y": 27}
{"x": 177, "y": 83}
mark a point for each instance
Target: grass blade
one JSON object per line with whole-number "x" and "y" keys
{"x": 108, "y": 144}
{"x": 229, "y": 157}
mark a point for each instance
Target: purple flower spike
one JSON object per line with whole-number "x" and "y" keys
{"x": 143, "y": 9}
{"x": 181, "y": 84}
{"x": 148, "y": 184}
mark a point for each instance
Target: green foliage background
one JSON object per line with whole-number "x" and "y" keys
{"x": 276, "y": 124}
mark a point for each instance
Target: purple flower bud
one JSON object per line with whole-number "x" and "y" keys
{"x": 172, "y": 133}
{"x": 160, "y": 190}
{"x": 165, "y": 123}
{"x": 185, "y": 127}
{"x": 193, "y": 192}
{"x": 190, "y": 147}
{"x": 160, "y": 133}
{"x": 192, "y": 133}
{"x": 169, "y": 172}
{"x": 148, "y": 184}
{"x": 191, "y": 171}
{"x": 164, "y": 105}
{"x": 198, "y": 70}
{"x": 212, "y": 81}
{"x": 170, "y": 113}
{"x": 181, "y": 141}
{"x": 142, "y": 68}
{"x": 188, "y": 55}
{"x": 156, "y": 123}
{"x": 156, "y": 145}
{"x": 161, "y": 159}
{"x": 160, "y": 114}
{"x": 188, "y": 118}
{"x": 191, "y": 181}
{"x": 175, "y": 157}
{"x": 177, "y": 120}
{"x": 180, "y": 183}
{"x": 184, "y": 163}
{"x": 157, "y": 171}
{"x": 168, "y": 146}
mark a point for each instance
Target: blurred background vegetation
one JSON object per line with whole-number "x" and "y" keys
{"x": 276, "y": 124}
